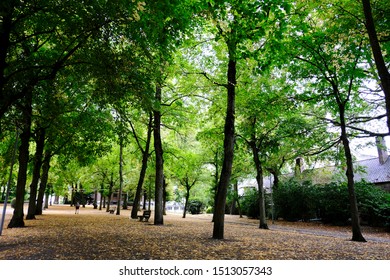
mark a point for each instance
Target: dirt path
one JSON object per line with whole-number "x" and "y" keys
{"x": 311, "y": 228}
{"x": 94, "y": 234}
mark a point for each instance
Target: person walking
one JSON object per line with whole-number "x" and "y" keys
{"x": 77, "y": 206}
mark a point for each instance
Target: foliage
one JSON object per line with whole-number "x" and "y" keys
{"x": 333, "y": 203}
{"x": 250, "y": 203}
{"x": 296, "y": 200}
{"x": 374, "y": 204}
{"x": 83, "y": 65}
{"x": 195, "y": 207}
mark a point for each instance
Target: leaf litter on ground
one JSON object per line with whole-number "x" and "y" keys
{"x": 94, "y": 234}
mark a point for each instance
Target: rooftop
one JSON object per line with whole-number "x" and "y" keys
{"x": 372, "y": 171}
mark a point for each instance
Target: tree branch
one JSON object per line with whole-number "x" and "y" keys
{"x": 208, "y": 78}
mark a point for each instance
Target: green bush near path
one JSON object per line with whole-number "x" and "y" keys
{"x": 303, "y": 201}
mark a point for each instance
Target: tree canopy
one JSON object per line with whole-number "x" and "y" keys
{"x": 149, "y": 98}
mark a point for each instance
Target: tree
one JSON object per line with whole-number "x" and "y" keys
{"x": 164, "y": 24}
{"x": 7, "y": 155}
{"x": 44, "y": 182}
{"x": 243, "y": 27}
{"x": 38, "y": 160}
{"x": 186, "y": 166}
{"x": 330, "y": 66}
{"x": 271, "y": 126}
{"x": 40, "y": 39}
{"x": 145, "y": 152}
{"x": 23, "y": 158}
{"x": 158, "y": 150}
{"x": 382, "y": 69}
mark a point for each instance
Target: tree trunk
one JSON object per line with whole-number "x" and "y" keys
{"x": 17, "y": 217}
{"x": 383, "y": 72}
{"x": 101, "y": 196}
{"x": 356, "y": 230}
{"x": 111, "y": 186}
{"x": 40, "y": 144}
{"x": 159, "y": 180}
{"x": 125, "y": 199}
{"x": 43, "y": 184}
{"x": 95, "y": 197}
{"x": 220, "y": 202}
{"x": 260, "y": 184}
{"x": 82, "y": 196}
{"x": 186, "y": 202}
{"x": 47, "y": 201}
{"x": 165, "y": 195}
{"x": 145, "y": 200}
{"x": 118, "y": 208}
{"x": 216, "y": 180}
{"x": 236, "y": 201}
{"x": 144, "y": 167}
{"x": 72, "y": 196}
{"x": 276, "y": 180}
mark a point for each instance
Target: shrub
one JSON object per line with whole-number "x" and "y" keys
{"x": 195, "y": 207}
{"x": 333, "y": 203}
{"x": 250, "y": 203}
{"x": 303, "y": 201}
{"x": 373, "y": 203}
{"x": 295, "y": 201}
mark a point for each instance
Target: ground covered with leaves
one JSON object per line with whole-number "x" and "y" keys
{"x": 59, "y": 234}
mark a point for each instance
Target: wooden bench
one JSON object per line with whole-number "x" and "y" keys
{"x": 145, "y": 216}
{"x": 112, "y": 211}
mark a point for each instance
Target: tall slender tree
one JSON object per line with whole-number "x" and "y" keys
{"x": 331, "y": 69}
{"x": 382, "y": 68}
{"x": 244, "y": 27}
{"x": 158, "y": 150}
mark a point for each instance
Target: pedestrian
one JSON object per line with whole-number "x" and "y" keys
{"x": 77, "y": 208}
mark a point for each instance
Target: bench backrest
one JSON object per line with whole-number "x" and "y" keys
{"x": 147, "y": 213}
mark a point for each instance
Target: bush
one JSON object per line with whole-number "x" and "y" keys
{"x": 333, "y": 203}
{"x": 373, "y": 203}
{"x": 250, "y": 203}
{"x": 195, "y": 207}
{"x": 295, "y": 201}
{"x": 303, "y": 201}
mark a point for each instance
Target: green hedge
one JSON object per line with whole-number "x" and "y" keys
{"x": 195, "y": 207}
{"x": 295, "y": 201}
{"x": 303, "y": 201}
{"x": 250, "y": 203}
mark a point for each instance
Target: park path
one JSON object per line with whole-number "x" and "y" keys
{"x": 94, "y": 234}
{"x": 312, "y": 228}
